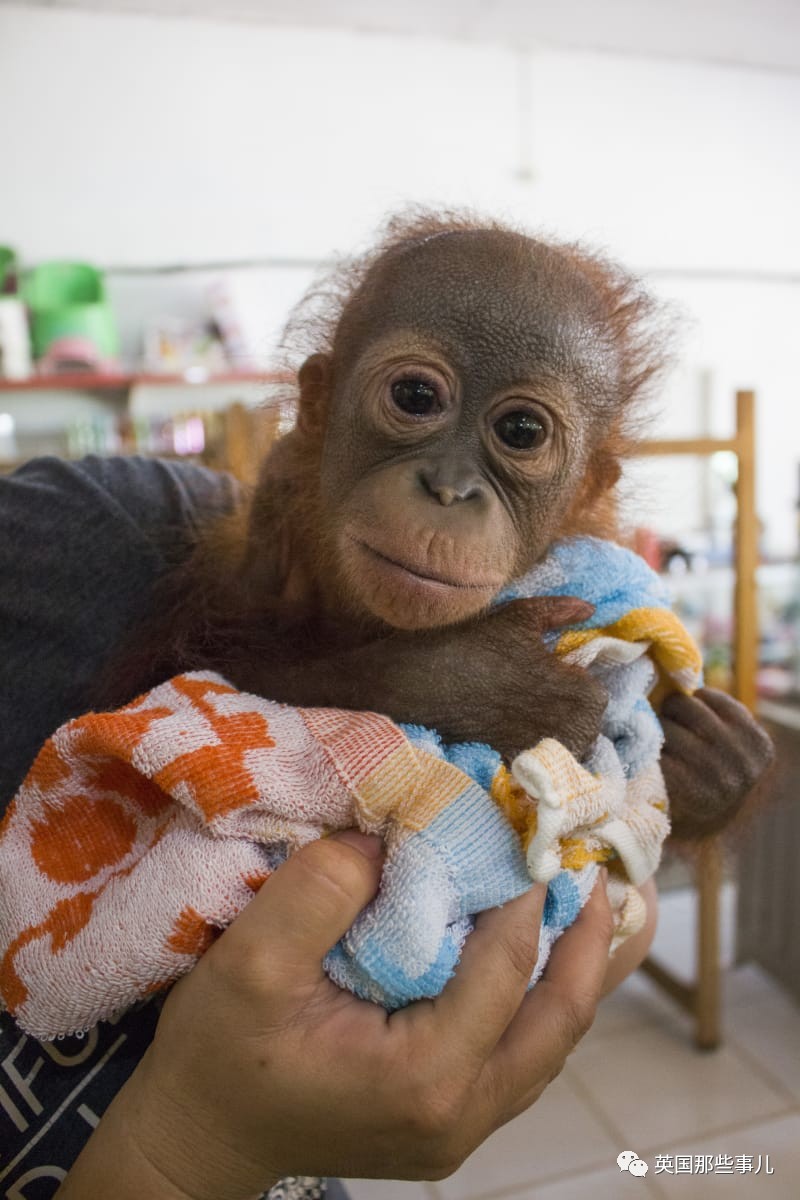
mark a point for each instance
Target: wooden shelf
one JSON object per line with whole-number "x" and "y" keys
{"x": 701, "y": 446}
{"x": 89, "y": 381}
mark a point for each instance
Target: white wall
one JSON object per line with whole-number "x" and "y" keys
{"x": 136, "y": 140}
{"x": 195, "y": 140}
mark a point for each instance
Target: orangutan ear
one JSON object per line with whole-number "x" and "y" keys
{"x": 594, "y": 506}
{"x": 604, "y": 472}
{"x": 315, "y": 378}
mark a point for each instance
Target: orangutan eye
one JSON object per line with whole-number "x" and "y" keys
{"x": 520, "y": 430}
{"x": 416, "y": 397}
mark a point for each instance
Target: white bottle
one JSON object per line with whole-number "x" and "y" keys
{"x": 15, "y": 342}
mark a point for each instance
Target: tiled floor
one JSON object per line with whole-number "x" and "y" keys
{"x": 637, "y": 1083}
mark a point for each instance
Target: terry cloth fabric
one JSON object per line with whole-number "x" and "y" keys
{"x": 138, "y": 835}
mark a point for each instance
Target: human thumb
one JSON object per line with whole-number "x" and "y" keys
{"x": 308, "y": 904}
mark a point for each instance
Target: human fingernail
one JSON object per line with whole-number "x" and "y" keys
{"x": 367, "y": 844}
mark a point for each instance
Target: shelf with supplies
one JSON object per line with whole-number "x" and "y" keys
{"x": 224, "y": 419}
{"x": 124, "y": 381}
{"x": 703, "y": 599}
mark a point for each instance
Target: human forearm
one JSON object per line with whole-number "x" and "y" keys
{"x": 146, "y": 1147}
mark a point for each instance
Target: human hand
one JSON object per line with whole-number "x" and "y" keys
{"x": 261, "y": 1067}
{"x": 714, "y": 755}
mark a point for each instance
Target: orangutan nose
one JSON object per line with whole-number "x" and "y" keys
{"x": 450, "y": 482}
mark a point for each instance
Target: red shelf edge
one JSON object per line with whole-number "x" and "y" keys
{"x": 89, "y": 382}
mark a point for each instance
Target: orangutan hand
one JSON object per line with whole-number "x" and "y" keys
{"x": 714, "y": 755}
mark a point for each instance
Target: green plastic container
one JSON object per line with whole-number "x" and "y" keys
{"x": 69, "y": 300}
{"x": 8, "y": 263}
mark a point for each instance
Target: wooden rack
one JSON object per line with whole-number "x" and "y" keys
{"x": 701, "y": 998}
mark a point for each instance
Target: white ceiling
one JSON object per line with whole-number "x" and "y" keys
{"x": 762, "y": 33}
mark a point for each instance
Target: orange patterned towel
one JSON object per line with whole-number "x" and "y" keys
{"x": 139, "y": 835}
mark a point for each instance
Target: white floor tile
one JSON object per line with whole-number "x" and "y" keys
{"x": 609, "y": 1184}
{"x": 387, "y": 1189}
{"x": 770, "y": 1032}
{"x": 780, "y": 1139}
{"x": 747, "y": 984}
{"x": 653, "y": 1085}
{"x": 635, "y": 1002}
{"x": 560, "y": 1133}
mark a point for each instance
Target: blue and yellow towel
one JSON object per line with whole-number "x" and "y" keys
{"x": 568, "y": 817}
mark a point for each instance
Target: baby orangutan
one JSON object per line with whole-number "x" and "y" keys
{"x": 466, "y": 397}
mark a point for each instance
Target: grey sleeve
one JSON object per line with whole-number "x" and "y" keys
{"x": 81, "y": 547}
